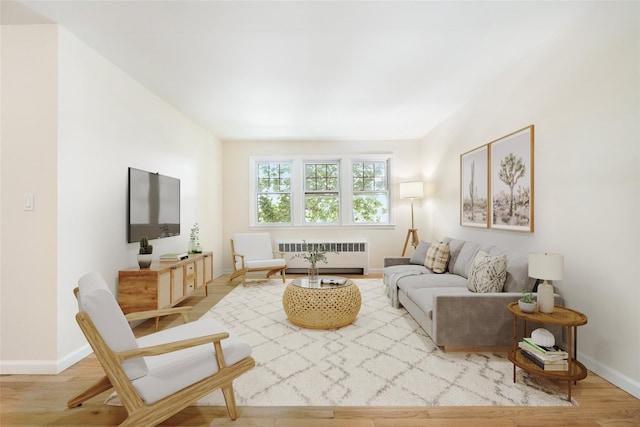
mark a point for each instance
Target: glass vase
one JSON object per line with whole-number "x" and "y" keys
{"x": 193, "y": 246}
{"x": 314, "y": 281}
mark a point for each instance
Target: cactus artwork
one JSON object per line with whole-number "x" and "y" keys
{"x": 145, "y": 247}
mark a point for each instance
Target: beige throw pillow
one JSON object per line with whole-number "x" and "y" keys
{"x": 437, "y": 257}
{"x": 487, "y": 273}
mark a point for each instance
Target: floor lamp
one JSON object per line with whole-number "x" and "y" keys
{"x": 411, "y": 190}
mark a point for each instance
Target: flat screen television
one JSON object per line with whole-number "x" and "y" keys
{"x": 153, "y": 208}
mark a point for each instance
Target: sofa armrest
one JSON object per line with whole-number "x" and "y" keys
{"x": 478, "y": 319}
{"x": 388, "y": 262}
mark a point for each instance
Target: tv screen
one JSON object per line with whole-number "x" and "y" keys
{"x": 154, "y": 205}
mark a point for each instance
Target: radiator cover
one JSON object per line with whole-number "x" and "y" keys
{"x": 352, "y": 256}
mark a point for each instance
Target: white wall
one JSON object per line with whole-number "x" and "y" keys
{"x": 385, "y": 241}
{"x": 28, "y": 238}
{"x": 105, "y": 122}
{"x": 582, "y": 92}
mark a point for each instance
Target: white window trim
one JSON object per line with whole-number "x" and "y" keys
{"x": 297, "y": 189}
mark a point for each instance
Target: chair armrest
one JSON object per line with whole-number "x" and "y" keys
{"x": 236, "y": 255}
{"x": 388, "y": 262}
{"x": 141, "y": 315}
{"x": 280, "y": 253}
{"x": 156, "y": 350}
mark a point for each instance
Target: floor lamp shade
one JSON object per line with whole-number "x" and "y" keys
{"x": 411, "y": 190}
{"x": 546, "y": 266}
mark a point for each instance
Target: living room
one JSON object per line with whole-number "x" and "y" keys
{"x": 74, "y": 122}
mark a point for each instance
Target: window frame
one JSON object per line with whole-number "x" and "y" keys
{"x": 386, "y": 192}
{"x": 346, "y": 193}
{"x": 306, "y": 191}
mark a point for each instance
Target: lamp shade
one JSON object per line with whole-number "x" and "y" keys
{"x": 546, "y": 266}
{"x": 411, "y": 190}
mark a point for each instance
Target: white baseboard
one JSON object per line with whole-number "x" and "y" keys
{"x": 44, "y": 367}
{"x": 615, "y": 377}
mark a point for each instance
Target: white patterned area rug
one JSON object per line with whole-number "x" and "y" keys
{"x": 383, "y": 359}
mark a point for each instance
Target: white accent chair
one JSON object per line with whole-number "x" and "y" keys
{"x": 253, "y": 252}
{"x": 159, "y": 374}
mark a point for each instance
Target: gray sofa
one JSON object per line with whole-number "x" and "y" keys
{"x": 446, "y": 309}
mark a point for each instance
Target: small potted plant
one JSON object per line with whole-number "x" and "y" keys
{"x": 527, "y": 304}
{"x": 144, "y": 254}
{"x": 314, "y": 252}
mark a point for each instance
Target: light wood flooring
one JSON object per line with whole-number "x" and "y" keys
{"x": 39, "y": 400}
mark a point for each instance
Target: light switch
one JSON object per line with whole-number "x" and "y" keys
{"x": 29, "y": 202}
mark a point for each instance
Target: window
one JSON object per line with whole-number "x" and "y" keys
{"x": 370, "y": 192}
{"x": 321, "y": 191}
{"x": 274, "y": 193}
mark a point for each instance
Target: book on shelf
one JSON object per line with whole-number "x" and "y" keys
{"x": 174, "y": 257}
{"x": 553, "y": 350}
{"x": 541, "y": 356}
{"x": 558, "y": 365}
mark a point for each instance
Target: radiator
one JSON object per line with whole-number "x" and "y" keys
{"x": 352, "y": 256}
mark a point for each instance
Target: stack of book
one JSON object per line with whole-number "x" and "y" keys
{"x": 173, "y": 257}
{"x": 548, "y": 358}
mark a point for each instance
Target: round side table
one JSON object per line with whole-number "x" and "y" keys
{"x": 561, "y": 316}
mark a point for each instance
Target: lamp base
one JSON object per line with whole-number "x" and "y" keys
{"x": 415, "y": 240}
{"x": 545, "y": 297}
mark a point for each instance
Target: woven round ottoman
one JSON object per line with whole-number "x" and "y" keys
{"x": 326, "y": 307}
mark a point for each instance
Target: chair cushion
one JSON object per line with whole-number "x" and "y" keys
{"x": 265, "y": 263}
{"x": 254, "y": 246}
{"x": 98, "y": 302}
{"x": 171, "y": 372}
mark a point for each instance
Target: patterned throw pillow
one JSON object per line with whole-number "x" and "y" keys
{"x": 437, "y": 257}
{"x": 487, "y": 273}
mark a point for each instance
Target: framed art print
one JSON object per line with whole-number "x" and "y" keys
{"x": 474, "y": 187}
{"x": 511, "y": 181}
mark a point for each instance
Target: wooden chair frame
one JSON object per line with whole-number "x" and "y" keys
{"x": 243, "y": 270}
{"x": 141, "y": 414}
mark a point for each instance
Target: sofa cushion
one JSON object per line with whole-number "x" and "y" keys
{"x": 437, "y": 257}
{"x": 488, "y": 273}
{"x": 464, "y": 260}
{"x": 431, "y": 280}
{"x": 517, "y": 270}
{"x": 455, "y": 246}
{"x": 420, "y": 253}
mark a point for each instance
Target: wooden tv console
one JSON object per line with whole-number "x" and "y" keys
{"x": 164, "y": 284}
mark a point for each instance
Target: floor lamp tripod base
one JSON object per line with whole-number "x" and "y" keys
{"x": 412, "y": 234}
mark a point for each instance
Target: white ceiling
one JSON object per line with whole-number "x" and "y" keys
{"x": 309, "y": 70}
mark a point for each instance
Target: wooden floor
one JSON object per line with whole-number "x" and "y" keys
{"x": 39, "y": 400}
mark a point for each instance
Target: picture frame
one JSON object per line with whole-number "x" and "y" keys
{"x": 474, "y": 187}
{"x": 511, "y": 184}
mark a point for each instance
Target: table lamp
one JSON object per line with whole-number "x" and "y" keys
{"x": 411, "y": 190}
{"x": 546, "y": 266}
